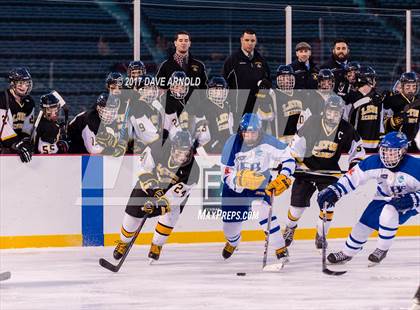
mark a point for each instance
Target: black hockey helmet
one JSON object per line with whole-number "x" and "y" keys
{"x": 182, "y": 148}
{"x": 285, "y": 77}
{"x": 352, "y": 66}
{"x": 136, "y": 68}
{"x": 333, "y": 110}
{"x": 20, "y": 81}
{"x": 410, "y": 90}
{"x": 148, "y": 89}
{"x": 217, "y": 90}
{"x": 50, "y": 106}
{"x": 366, "y": 76}
{"x": 326, "y": 80}
{"x": 114, "y": 82}
{"x": 107, "y": 106}
{"x": 178, "y": 85}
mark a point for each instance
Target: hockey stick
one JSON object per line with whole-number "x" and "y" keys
{"x": 267, "y": 232}
{"x": 5, "y": 276}
{"x": 115, "y": 268}
{"x": 320, "y": 172}
{"x": 324, "y": 247}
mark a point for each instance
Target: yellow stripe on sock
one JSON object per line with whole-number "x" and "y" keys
{"x": 125, "y": 233}
{"x": 291, "y": 217}
{"x": 163, "y": 229}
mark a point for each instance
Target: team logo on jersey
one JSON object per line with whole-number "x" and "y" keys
{"x": 258, "y": 64}
{"x": 194, "y": 68}
{"x": 315, "y": 76}
{"x": 292, "y": 107}
{"x": 324, "y": 149}
{"x": 369, "y": 113}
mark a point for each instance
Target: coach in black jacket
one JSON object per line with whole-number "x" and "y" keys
{"x": 182, "y": 60}
{"x": 305, "y": 69}
{"x": 243, "y": 70}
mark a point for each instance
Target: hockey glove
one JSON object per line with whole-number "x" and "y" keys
{"x": 158, "y": 207}
{"x": 249, "y": 179}
{"x": 24, "y": 149}
{"x": 329, "y": 195}
{"x": 105, "y": 139}
{"x": 405, "y": 202}
{"x": 63, "y": 146}
{"x": 119, "y": 150}
{"x": 279, "y": 185}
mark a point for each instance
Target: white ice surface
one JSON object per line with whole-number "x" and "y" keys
{"x": 196, "y": 277}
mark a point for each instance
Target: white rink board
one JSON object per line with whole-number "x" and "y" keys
{"x": 43, "y": 197}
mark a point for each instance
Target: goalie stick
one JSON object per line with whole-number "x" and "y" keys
{"x": 5, "y": 276}
{"x": 115, "y": 268}
{"x": 324, "y": 247}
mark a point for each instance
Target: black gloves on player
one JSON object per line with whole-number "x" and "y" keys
{"x": 158, "y": 205}
{"x": 329, "y": 195}
{"x": 25, "y": 149}
{"x": 106, "y": 139}
{"x": 405, "y": 202}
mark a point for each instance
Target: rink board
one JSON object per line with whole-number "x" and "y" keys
{"x": 80, "y": 200}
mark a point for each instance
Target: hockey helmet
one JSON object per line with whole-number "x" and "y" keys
{"x": 182, "y": 148}
{"x": 285, "y": 77}
{"x": 366, "y": 76}
{"x": 107, "y": 106}
{"x": 409, "y": 84}
{"x": 352, "y": 68}
{"x": 50, "y": 106}
{"x": 217, "y": 90}
{"x": 333, "y": 110}
{"x": 178, "y": 85}
{"x": 135, "y": 69}
{"x": 393, "y": 148}
{"x": 148, "y": 89}
{"x": 326, "y": 80}
{"x": 20, "y": 81}
{"x": 250, "y": 128}
{"x": 114, "y": 82}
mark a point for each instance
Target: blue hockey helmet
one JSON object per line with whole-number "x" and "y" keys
{"x": 250, "y": 128}
{"x": 393, "y": 148}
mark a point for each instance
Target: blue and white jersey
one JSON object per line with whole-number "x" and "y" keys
{"x": 391, "y": 183}
{"x": 268, "y": 154}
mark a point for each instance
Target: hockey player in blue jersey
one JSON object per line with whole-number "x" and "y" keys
{"x": 247, "y": 158}
{"x": 396, "y": 200}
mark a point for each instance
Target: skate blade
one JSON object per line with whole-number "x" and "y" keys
{"x": 152, "y": 261}
{"x": 372, "y": 264}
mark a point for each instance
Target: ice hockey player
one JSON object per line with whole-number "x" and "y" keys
{"x": 247, "y": 160}
{"x": 48, "y": 134}
{"x": 289, "y": 102}
{"x": 17, "y": 115}
{"x": 348, "y": 85}
{"x": 396, "y": 200}
{"x": 366, "y": 114}
{"x": 404, "y": 112}
{"x": 217, "y": 110}
{"x": 318, "y": 146}
{"x": 95, "y": 131}
{"x": 162, "y": 190}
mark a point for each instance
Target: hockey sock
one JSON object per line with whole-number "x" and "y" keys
{"x": 293, "y": 216}
{"x": 276, "y": 237}
{"x": 164, "y": 226}
{"x": 330, "y": 215}
{"x": 232, "y": 231}
{"x": 388, "y": 226}
{"x": 356, "y": 239}
{"x": 129, "y": 227}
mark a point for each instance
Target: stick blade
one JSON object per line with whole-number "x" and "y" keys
{"x": 5, "y": 276}
{"x": 107, "y": 265}
{"x": 333, "y": 273}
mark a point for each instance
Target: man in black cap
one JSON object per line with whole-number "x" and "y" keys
{"x": 305, "y": 69}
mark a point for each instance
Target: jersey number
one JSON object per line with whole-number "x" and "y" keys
{"x": 179, "y": 190}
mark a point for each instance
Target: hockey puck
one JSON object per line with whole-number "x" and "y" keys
{"x": 241, "y": 273}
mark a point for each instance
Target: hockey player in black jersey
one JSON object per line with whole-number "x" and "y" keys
{"x": 162, "y": 190}
{"x": 48, "y": 133}
{"x": 17, "y": 115}
{"x": 404, "y": 114}
{"x": 366, "y": 114}
{"x": 217, "y": 110}
{"x": 289, "y": 103}
{"x": 318, "y": 146}
{"x": 95, "y": 131}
